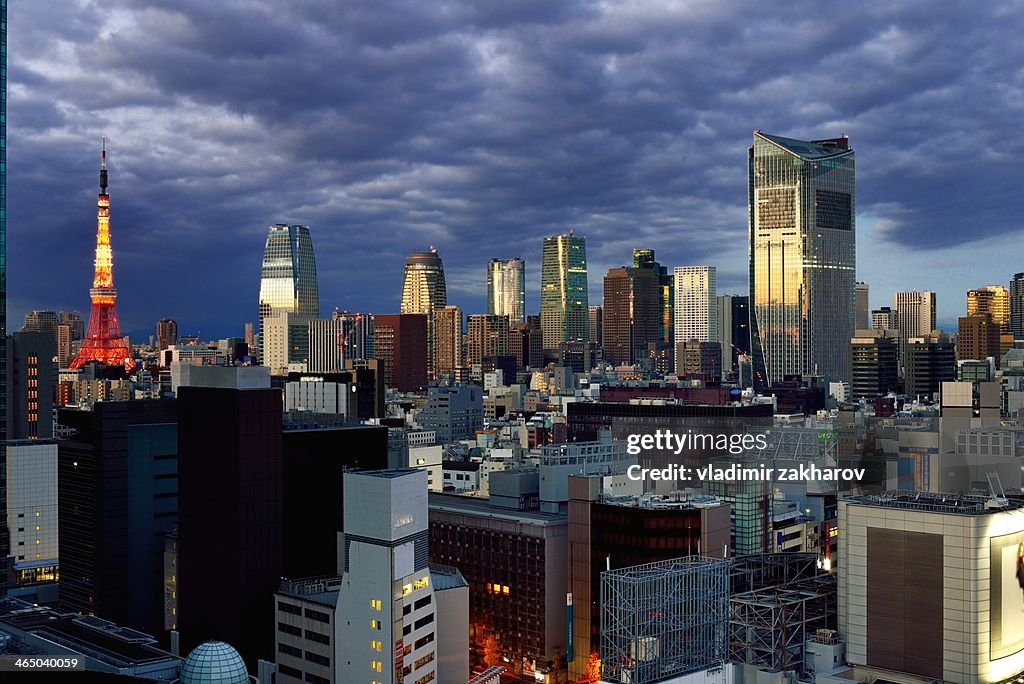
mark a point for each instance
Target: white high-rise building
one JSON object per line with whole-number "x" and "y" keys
{"x": 386, "y": 596}
{"x": 32, "y": 509}
{"x": 696, "y": 314}
{"x": 915, "y": 313}
{"x": 285, "y": 342}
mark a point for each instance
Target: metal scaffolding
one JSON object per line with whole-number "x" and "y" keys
{"x": 763, "y": 570}
{"x": 664, "y": 619}
{"x": 780, "y": 600}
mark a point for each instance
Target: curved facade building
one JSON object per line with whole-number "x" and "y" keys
{"x": 802, "y": 256}
{"x": 506, "y": 289}
{"x": 423, "y": 292}
{"x": 288, "y": 282}
{"x": 423, "y": 288}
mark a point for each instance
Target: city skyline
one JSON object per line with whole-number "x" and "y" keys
{"x": 664, "y": 172}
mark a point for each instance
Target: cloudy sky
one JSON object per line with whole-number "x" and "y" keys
{"x": 478, "y": 127}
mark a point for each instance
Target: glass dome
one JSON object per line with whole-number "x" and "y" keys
{"x": 214, "y": 661}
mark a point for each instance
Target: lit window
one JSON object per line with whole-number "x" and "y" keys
{"x": 504, "y": 590}
{"x": 376, "y": 604}
{"x": 406, "y": 589}
{"x": 375, "y": 624}
{"x": 422, "y": 582}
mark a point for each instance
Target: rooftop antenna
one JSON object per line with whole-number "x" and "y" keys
{"x": 103, "y": 167}
{"x": 999, "y": 501}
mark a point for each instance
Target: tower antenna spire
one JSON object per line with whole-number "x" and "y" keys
{"x": 103, "y": 167}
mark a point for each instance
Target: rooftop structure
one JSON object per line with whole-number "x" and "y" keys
{"x": 664, "y": 619}
{"x": 106, "y": 647}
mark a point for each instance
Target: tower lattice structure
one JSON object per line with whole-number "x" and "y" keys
{"x": 103, "y": 341}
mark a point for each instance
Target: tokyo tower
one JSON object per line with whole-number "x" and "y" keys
{"x": 103, "y": 342}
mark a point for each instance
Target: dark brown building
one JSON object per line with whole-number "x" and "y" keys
{"x": 515, "y": 564}
{"x": 400, "y": 342}
{"x": 631, "y": 314}
{"x": 486, "y": 335}
{"x": 166, "y": 333}
{"x": 978, "y": 338}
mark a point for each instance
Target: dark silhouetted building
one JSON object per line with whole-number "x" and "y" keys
{"x": 929, "y": 362}
{"x": 874, "y": 364}
{"x": 314, "y": 461}
{"x": 230, "y": 510}
{"x": 117, "y": 499}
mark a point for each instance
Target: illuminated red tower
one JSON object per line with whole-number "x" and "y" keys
{"x": 103, "y": 342}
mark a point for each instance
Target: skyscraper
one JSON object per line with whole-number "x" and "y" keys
{"x": 915, "y": 316}
{"x": 447, "y": 340}
{"x": 103, "y": 341}
{"x": 632, "y": 313}
{"x": 696, "y": 315}
{"x": 4, "y": 539}
{"x": 288, "y": 281}
{"x": 564, "y": 300}
{"x": 733, "y": 329}
{"x": 644, "y": 258}
{"x": 863, "y": 308}
{"x": 1017, "y": 306}
{"x": 993, "y": 300}
{"x": 506, "y": 289}
{"x": 802, "y": 256}
{"x": 166, "y": 333}
{"x": 423, "y": 291}
{"x": 400, "y": 342}
{"x": 486, "y": 335}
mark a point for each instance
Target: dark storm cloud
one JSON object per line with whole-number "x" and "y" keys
{"x": 478, "y": 128}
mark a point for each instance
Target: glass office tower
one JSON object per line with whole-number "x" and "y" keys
{"x": 564, "y": 305}
{"x": 4, "y": 537}
{"x": 288, "y": 280}
{"x": 506, "y": 289}
{"x": 802, "y": 256}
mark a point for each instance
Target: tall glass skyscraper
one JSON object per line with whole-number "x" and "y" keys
{"x": 801, "y": 201}
{"x": 506, "y": 289}
{"x": 4, "y": 536}
{"x": 288, "y": 280}
{"x": 564, "y": 303}
{"x": 423, "y": 292}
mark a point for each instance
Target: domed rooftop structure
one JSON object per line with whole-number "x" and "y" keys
{"x": 214, "y": 661}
